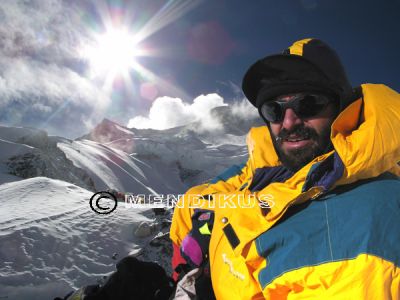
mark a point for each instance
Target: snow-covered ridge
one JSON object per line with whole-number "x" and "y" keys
{"x": 201, "y": 154}
{"x": 52, "y": 242}
{"x": 50, "y": 239}
{"x": 27, "y": 153}
{"x": 130, "y": 160}
{"x": 112, "y": 168}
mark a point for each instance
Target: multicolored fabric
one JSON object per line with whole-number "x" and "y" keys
{"x": 333, "y": 229}
{"x": 194, "y": 247}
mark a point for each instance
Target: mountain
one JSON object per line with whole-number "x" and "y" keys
{"x": 107, "y": 131}
{"x": 109, "y": 167}
{"x": 195, "y": 153}
{"x": 52, "y": 242}
{"x": 129, "y": 160}
{"x": 29, "y": 152}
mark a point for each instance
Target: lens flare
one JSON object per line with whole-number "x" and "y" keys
{"x": 115, "y": 44}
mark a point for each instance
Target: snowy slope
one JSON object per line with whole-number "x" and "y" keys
{"x": 27, "y": 153}
{"x": 112, "y": 168}
{"x": 196, "y": 156}
{"x": 52, "y": 242}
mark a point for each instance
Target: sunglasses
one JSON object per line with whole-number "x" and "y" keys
{"x": 305, "y": 106}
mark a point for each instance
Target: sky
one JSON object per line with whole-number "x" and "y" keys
{"x": 66, "y": 65}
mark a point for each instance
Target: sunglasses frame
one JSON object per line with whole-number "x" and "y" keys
{"x": 294, "y": 104}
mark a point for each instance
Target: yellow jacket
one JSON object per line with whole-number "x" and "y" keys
{"x": 316, "y": 240}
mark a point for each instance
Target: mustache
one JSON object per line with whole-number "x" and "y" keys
{"x": 300, "y": 131}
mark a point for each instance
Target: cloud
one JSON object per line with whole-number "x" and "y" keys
{"x": 167, "y": 112}
{"x": 42, "y": 80}
{"x": 244, "y": 110}
{"x": 44, "y": 30}
{"x": 240, "y": 106}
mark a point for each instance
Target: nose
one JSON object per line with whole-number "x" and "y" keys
{"x": 290, "y": 120}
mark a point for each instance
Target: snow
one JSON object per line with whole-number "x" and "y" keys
{"x": 203, "y": 155}
{"x": 52, "y": 242}
{"x": 112, "y": 168}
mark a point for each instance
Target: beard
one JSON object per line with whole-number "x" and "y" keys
{"x": 295, "y": 159}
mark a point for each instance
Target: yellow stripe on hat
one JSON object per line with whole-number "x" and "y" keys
{"x": 297, "y": 47}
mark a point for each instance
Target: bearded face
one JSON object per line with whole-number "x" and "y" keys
{"x": 298, "y": 141}
{"x": 297, "y": 147}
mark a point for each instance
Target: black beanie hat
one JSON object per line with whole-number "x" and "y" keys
{"x": 309, "y": 65}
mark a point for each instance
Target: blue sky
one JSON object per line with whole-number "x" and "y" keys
{"x": 191, "y": 48}
{"x": 364, "y": 33}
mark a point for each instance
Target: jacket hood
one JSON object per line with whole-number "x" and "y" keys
{"x": 364, "y": 135}
{"x": 308, "y": 65}
{"x": 365, "y": 138}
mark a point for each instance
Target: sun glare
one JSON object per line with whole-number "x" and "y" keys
{"x": 113, "y": 52}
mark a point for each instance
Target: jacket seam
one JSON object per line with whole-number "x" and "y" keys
{"x": 328, "y": 230}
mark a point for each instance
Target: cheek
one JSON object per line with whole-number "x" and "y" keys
{"x": 320, "y": 126}
{"x": 274, "y": 129}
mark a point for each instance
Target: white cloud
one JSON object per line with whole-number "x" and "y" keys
{"x": 41, "y": 79}
{"x": 167, "y": 112}
{"x": 244, "y": 110}
{"x": 46, "y": 30}
{"x": 43, "y": 82}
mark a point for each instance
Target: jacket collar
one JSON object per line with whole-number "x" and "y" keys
{"x": 367, "y": 144}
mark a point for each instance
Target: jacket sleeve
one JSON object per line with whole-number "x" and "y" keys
{"x": 230, "y": 180}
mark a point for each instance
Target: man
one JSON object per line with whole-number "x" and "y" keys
{"x": 326, "y": 165}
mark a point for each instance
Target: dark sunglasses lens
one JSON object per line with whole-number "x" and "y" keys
{"x": 310, "y": 105}
{"x": 271, "y": 111}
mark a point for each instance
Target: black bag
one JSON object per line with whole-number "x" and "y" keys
{"x": 133, "y": 280}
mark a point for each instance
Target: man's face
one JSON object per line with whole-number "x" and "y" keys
{"x": 297, "y": 140}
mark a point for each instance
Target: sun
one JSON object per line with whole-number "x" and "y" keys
{"x": 111, "y": 53}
